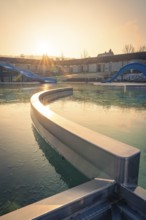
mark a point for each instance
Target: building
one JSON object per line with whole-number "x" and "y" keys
{"x": 104, "y": 65}
{"x": 105, "y": 54}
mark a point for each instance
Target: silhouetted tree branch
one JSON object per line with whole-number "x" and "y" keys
{"x": 142, "y": 48}
{"x": 128, "y": 48}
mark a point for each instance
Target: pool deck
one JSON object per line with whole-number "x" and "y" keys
{"x": 119, "y": 84}
{"x": 19, "y": 83}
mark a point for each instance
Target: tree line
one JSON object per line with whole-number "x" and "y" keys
{"x": 129, "y": 48}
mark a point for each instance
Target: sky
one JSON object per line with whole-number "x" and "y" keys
{"x": 71, "y": 27}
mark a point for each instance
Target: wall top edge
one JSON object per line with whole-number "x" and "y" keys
{"x": 106, "y": 143}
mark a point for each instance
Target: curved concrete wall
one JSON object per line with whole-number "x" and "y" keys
{"x": 92, "y": 153}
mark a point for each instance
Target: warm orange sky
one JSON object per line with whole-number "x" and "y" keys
{"x": 69, "y": 27}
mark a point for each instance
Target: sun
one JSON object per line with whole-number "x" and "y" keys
{"x": 43, "y": 48}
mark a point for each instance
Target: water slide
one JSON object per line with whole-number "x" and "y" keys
{"x": 28, "y": 73}
{"x": 135, "y": 66}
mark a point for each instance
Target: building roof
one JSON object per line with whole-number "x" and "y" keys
{"x": 99, "y": 59}
{"x": 106, "y": 59}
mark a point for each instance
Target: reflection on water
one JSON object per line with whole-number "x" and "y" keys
{"x": 29, "y": 168}
{"x": 117, "y": 112}
{"x": 19, "y": 93}
{"x": 67, "y": 172}
{"x": 108, "y": 96}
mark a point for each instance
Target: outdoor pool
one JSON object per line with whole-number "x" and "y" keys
{"x": 116, "y": 111}
{"x": 30, "y": 169}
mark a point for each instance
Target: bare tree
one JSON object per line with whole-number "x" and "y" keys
{"x": 84, "y": 54}
{"x": 142, "y": 48}
{"x": 128, "y": 48}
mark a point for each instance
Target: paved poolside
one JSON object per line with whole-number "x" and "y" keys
{"x": 119, "y": 84}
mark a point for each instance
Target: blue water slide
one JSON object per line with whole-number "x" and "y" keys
{"x": 135, "y": 66}
{"x": 28, "y": 73}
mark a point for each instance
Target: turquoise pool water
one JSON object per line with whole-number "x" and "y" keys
{"x": 118, "y": 112}
{"x": 30, "y": 169}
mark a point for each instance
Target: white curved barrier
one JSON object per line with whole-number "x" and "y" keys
{"x": 92, "y": 153}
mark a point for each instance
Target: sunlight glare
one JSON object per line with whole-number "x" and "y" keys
{"x": 43, "y": 48}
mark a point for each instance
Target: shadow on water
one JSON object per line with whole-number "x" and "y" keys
{"x": 69, "y": 174}
{"x": 35, "y": 188}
